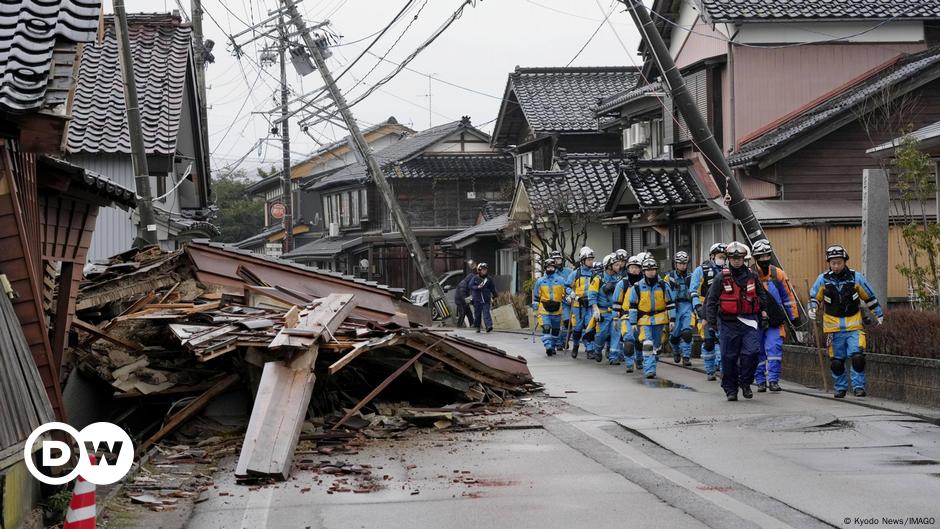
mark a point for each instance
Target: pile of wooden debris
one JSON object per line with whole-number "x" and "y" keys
{"x": 191, "y": 325}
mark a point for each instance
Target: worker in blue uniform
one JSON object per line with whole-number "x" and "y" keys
{"x": 579, "y": 281}
{"x": 631, "y": 275}
{"x": 702, "y": 279}
{"x": 843, "y": 291}
{"x": 562, "y": 271}
{"x": 652, "y": 311}
{"x": 679, "y": 279}
{"x": 547, "y": 296}
{"x": 483, "y": 291}
{"x": 777, "y": 283}
{"x": 601, "y": 299}
{"x": 736, "y": 303}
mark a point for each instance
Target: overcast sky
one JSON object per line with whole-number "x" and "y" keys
{"x": 476, "y": 52}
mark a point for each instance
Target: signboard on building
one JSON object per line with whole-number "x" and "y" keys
{"x": 278, "y": 210}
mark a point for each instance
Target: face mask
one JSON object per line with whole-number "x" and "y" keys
{"x": 720, "y": 261}
{"x": 764, "y": 265}
{"x": 550, "y": 272}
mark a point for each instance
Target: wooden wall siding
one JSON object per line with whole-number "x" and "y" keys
{"x": 801, "y": 251}
{"x": 437, "y": 202}
{"x": 67, "y": 228}
{"x": 831, "y": 168}
{"x": 21, "y": 262}
{"x": 756, "y": 189}
{"x": 24, "y": 173}
{"x": 770, "y": 83}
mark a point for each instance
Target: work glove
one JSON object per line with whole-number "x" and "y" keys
{"x": 811, "y": 313}
{"x": 700, "y": 312}
{"x": 597, "y": 314}
{"x": 866, "y": 319}
{"x": 881, "y": 320}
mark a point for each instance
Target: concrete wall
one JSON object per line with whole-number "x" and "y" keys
{"x": 902, "y": 378}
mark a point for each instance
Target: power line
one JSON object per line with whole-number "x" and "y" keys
{"x": 591, "y": 38}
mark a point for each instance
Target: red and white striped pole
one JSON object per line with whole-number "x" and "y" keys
{"x": 82, "y": 511}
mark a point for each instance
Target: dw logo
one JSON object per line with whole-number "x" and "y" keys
{"x": 109, "y": 442}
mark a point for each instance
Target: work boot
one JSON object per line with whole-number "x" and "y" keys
{"x": 761, "y": 388}
{"x": 549, "y": 352}
{"x": 676, "y": 357}
{"x": 478, "y": 330}
{"x": 651, "y": 375}
{"x": 859, "y": 392}
{"x": 732, "y": 397}
{"x": 574, "y": 350}
{"x": 746, "y": 392}
{"x": 840, "y": 394}
{"x": 599, "y": 356}
{"x": 774, "y": 386}
{"x": 489, "y": 329}
{"x": 711, "y": 378}
{"x": 629, "y": 369}
{"x": 687, "y": 362}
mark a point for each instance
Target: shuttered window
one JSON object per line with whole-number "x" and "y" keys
{"x": 697, "y": 84}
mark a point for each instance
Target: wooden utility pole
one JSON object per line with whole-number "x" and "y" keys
{"x": 147, "y": 227}
{"x": 438, "y": 301}
{"x": 701, "y": 134}
{"x": 285, "y": 141}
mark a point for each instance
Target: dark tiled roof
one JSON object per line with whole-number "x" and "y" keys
{"x": 325, "y": 247}
{"x": 583, "y": 186}
{"x": 92, "y": 182}
{"x": 490, "y": 227}
{"x": 455, "y": 166}
{"x": 397, "y": 152}
{"x": 563, "y": 99}
{"x": 607, "y": 104}
{"x": 494, "y": 208}
{"x": 161, "y": 47}
{"x": 775, "y": 10}
{"x": 661, "y": 183}
{"x": 839, "y": 105}
{"x": 30, "y": 30}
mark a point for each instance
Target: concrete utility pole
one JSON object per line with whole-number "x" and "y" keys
{"x": 875, "y": 209}
{"x": 701, "y": 134}
{"x": 417, "y": 253}
{"x": 285, "y": 141}
{"x": 147, "y": 228}
{"x": 196, "y": 14}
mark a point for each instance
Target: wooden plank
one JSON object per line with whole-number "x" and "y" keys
{"x": 91, "y": 329}
{"x": 315, "y": 322}
{"x": 352, "y": 355}
{"x": 284, "y": 395}
{"x": 189, "y": 411}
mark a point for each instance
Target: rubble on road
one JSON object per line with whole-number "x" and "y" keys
{"x": 179, "y": 329}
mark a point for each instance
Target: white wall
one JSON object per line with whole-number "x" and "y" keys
{"x": 784, "y": 32}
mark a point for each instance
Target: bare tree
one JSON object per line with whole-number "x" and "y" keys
{"x": 560, "y": 223}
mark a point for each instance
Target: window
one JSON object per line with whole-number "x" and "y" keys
{"x": 344, "y": 208}
{"x": 326, "y": 212}
{"x": 160, "y": 185}
{"x": 697, "y": 84}
{"x": 354, "y": 208}
{"x": 707, "y": 234}
{"x": 364, "y": 204}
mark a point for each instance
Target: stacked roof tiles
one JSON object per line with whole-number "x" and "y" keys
{"x": 493, "y": 165}
{"x": 741, "y": 10}
{"x": 37, "y": 41}
{"x": 662, "y": 183}
{"x": 161, "y": 47}
{"x": 582, "y": 186}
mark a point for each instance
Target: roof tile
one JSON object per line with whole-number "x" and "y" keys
{"x": 757, "y": 10}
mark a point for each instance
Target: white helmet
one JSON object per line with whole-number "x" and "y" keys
{"x": 737, "y": 249}
{"x": 762, "y": 247}
{"x": 622, "y": 255}
{"x": 585, "y": 253}
{"x": 644, "y": 256}
{"x": 635, "y": 260}
{"x": 609, "y": 260}
{"x": 682, "y": 257}
{"x": 650, "y": 264}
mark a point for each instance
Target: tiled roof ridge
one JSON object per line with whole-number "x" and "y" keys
{"x": 573, "y": 69}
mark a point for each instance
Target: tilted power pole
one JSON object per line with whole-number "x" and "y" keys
{"x": 288, "y": 220}
{"x": 147, "y": 228}
{"x": 701, "y": 134}
{"x": 438, "y": 300}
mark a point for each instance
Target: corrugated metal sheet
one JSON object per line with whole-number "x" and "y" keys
{"x": 801, "y": 251}
{"x": 23, "y": 402}
{"x": 114, "y": 229}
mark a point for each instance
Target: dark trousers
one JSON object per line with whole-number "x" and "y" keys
{"x": 482, "y": 314}
{"x": 464, "y": 312}
{"x": 740, "y": 348}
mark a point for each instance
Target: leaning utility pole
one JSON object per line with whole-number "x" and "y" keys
{"x": 285, "y": 140}
{"x": 438, "y": 300}
{"x": 701, "y": 134}
{"x": 196, "y": 15}
{"x": 147, "y": 228}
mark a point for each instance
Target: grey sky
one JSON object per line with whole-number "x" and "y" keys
{"x": 476, "y": 52}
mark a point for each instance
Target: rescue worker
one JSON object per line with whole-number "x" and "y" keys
{"x": 579, "y": 281}
{"x": 652, "y": 310}
{"x": 483, "y": 292}
{"x": 621, "y": 257}
{"x": 601, "y": 298}
{"x": 592, "y": 328}
{"x": 844, "y": 290}
{"x": 461, "y": 293}
{"x": 563, "y": 272}
{"x": 702, "y": 279}
{"x": 547, "y": 296}
{"x": 632, "y": 275}
{"x": 680, "y": 280}
{"x": 777, "y": 283}
{"x": 736, "y": 303}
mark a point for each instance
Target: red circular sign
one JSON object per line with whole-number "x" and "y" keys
{"x": 278, "y": 210}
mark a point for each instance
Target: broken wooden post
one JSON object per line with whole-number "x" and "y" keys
{"x": 285, "y": 389}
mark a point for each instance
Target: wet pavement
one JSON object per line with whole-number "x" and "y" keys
{"x": 603, "y": 448}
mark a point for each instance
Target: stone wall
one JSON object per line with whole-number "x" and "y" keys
{"x": 902, "y": 378}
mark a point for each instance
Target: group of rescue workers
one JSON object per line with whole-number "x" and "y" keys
{"x": 622, "y": 307}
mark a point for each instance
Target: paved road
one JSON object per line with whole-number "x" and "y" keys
{"x": 620, "y": 451}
